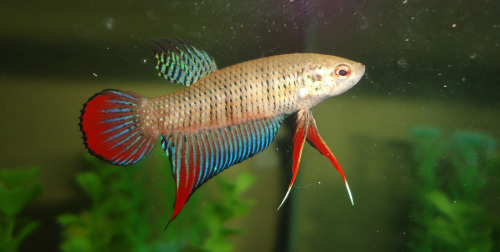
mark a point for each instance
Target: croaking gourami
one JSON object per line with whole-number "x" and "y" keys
{"x": 223, "y": 117}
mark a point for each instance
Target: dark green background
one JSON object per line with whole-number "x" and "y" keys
{"x": 427, "y": 63}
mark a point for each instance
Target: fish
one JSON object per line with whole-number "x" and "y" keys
{"x": 222, "y": 117}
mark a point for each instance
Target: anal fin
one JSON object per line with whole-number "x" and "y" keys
{"x": 197, "y": 157}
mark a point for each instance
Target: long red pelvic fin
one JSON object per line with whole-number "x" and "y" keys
{"x": 299, "y": 137}
{"x": 317, "y": 142}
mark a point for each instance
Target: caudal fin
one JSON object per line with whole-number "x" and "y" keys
{"x": 112, "y": 127}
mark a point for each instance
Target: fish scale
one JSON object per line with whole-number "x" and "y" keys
{"x": 223, "y": 117}
{"x": 258, "y": 89}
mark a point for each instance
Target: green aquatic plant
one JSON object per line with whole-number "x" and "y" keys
{"x": 129, "y": 208}
{"x": 18, "y": 188}
{"x": 452, "y": 173}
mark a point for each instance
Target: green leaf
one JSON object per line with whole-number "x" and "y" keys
{"x": 17, "y": 188}
{"x": 92, "y": 184}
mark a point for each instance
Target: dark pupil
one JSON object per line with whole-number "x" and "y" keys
{"x": 342, "y": 72}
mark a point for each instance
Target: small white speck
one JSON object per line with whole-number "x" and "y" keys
{"x": 405, "y": 1}
{"x": 303, "y": 93}
{"x": 454, "y": 26}
{"x": 402, "y": 63}
{"x": 109, "y": 23}
{"x": 95, "y": 75}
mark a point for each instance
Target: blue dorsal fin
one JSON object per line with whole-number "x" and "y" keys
{"x": 195, "y": 158}
{"x": 181, "y": 62}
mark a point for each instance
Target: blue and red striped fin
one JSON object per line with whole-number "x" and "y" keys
{"x": 197, "y": 157}
{"x": 112, "y": 127}
{"x": 181, "y": 62}
{"x": 305, "y": 128}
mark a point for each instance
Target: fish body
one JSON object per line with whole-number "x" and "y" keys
{"x": 248, "y": 91}
{"x": 222, "y": 118}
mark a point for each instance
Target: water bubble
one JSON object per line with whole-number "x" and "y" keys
{"x": 402, "y": 63}
{"x": 320, "y": 13}
{"x": 109, "y": 23}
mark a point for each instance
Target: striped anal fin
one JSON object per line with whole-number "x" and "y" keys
{"x": 305, "y": 128}
{"x": 182, "y": 62}
{"x": 197, "y": 157}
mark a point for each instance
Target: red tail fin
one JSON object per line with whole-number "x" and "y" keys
{"x": 112, "y": 128}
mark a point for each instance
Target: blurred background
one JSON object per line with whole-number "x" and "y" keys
{"x": 416, "y": 137}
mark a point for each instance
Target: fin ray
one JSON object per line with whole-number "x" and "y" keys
{"x": 317, "y": 142}
{"x": 299, "y": 137}
{"x": 182, "y": 62}
{"x": 110, "y": 123}
{"x": 306, "y": 129}
{"x": 197, "y": 157}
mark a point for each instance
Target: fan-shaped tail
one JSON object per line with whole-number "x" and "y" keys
{"x": 112, "y": 127}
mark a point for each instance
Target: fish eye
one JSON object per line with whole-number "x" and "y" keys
{"x": 342, "y": 72}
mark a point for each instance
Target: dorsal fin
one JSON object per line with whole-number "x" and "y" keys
{"x": 181, "y": 62}
{"x": 195, "y": 158}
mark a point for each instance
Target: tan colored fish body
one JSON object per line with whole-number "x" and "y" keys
{"x": 256, "y": 89}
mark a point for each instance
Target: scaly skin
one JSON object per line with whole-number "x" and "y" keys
{"x": 256, "y": 89}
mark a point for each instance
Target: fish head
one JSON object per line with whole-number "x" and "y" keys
{"x": 328, "y": 76}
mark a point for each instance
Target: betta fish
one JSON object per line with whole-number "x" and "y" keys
{"x": 222, "y": 117}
